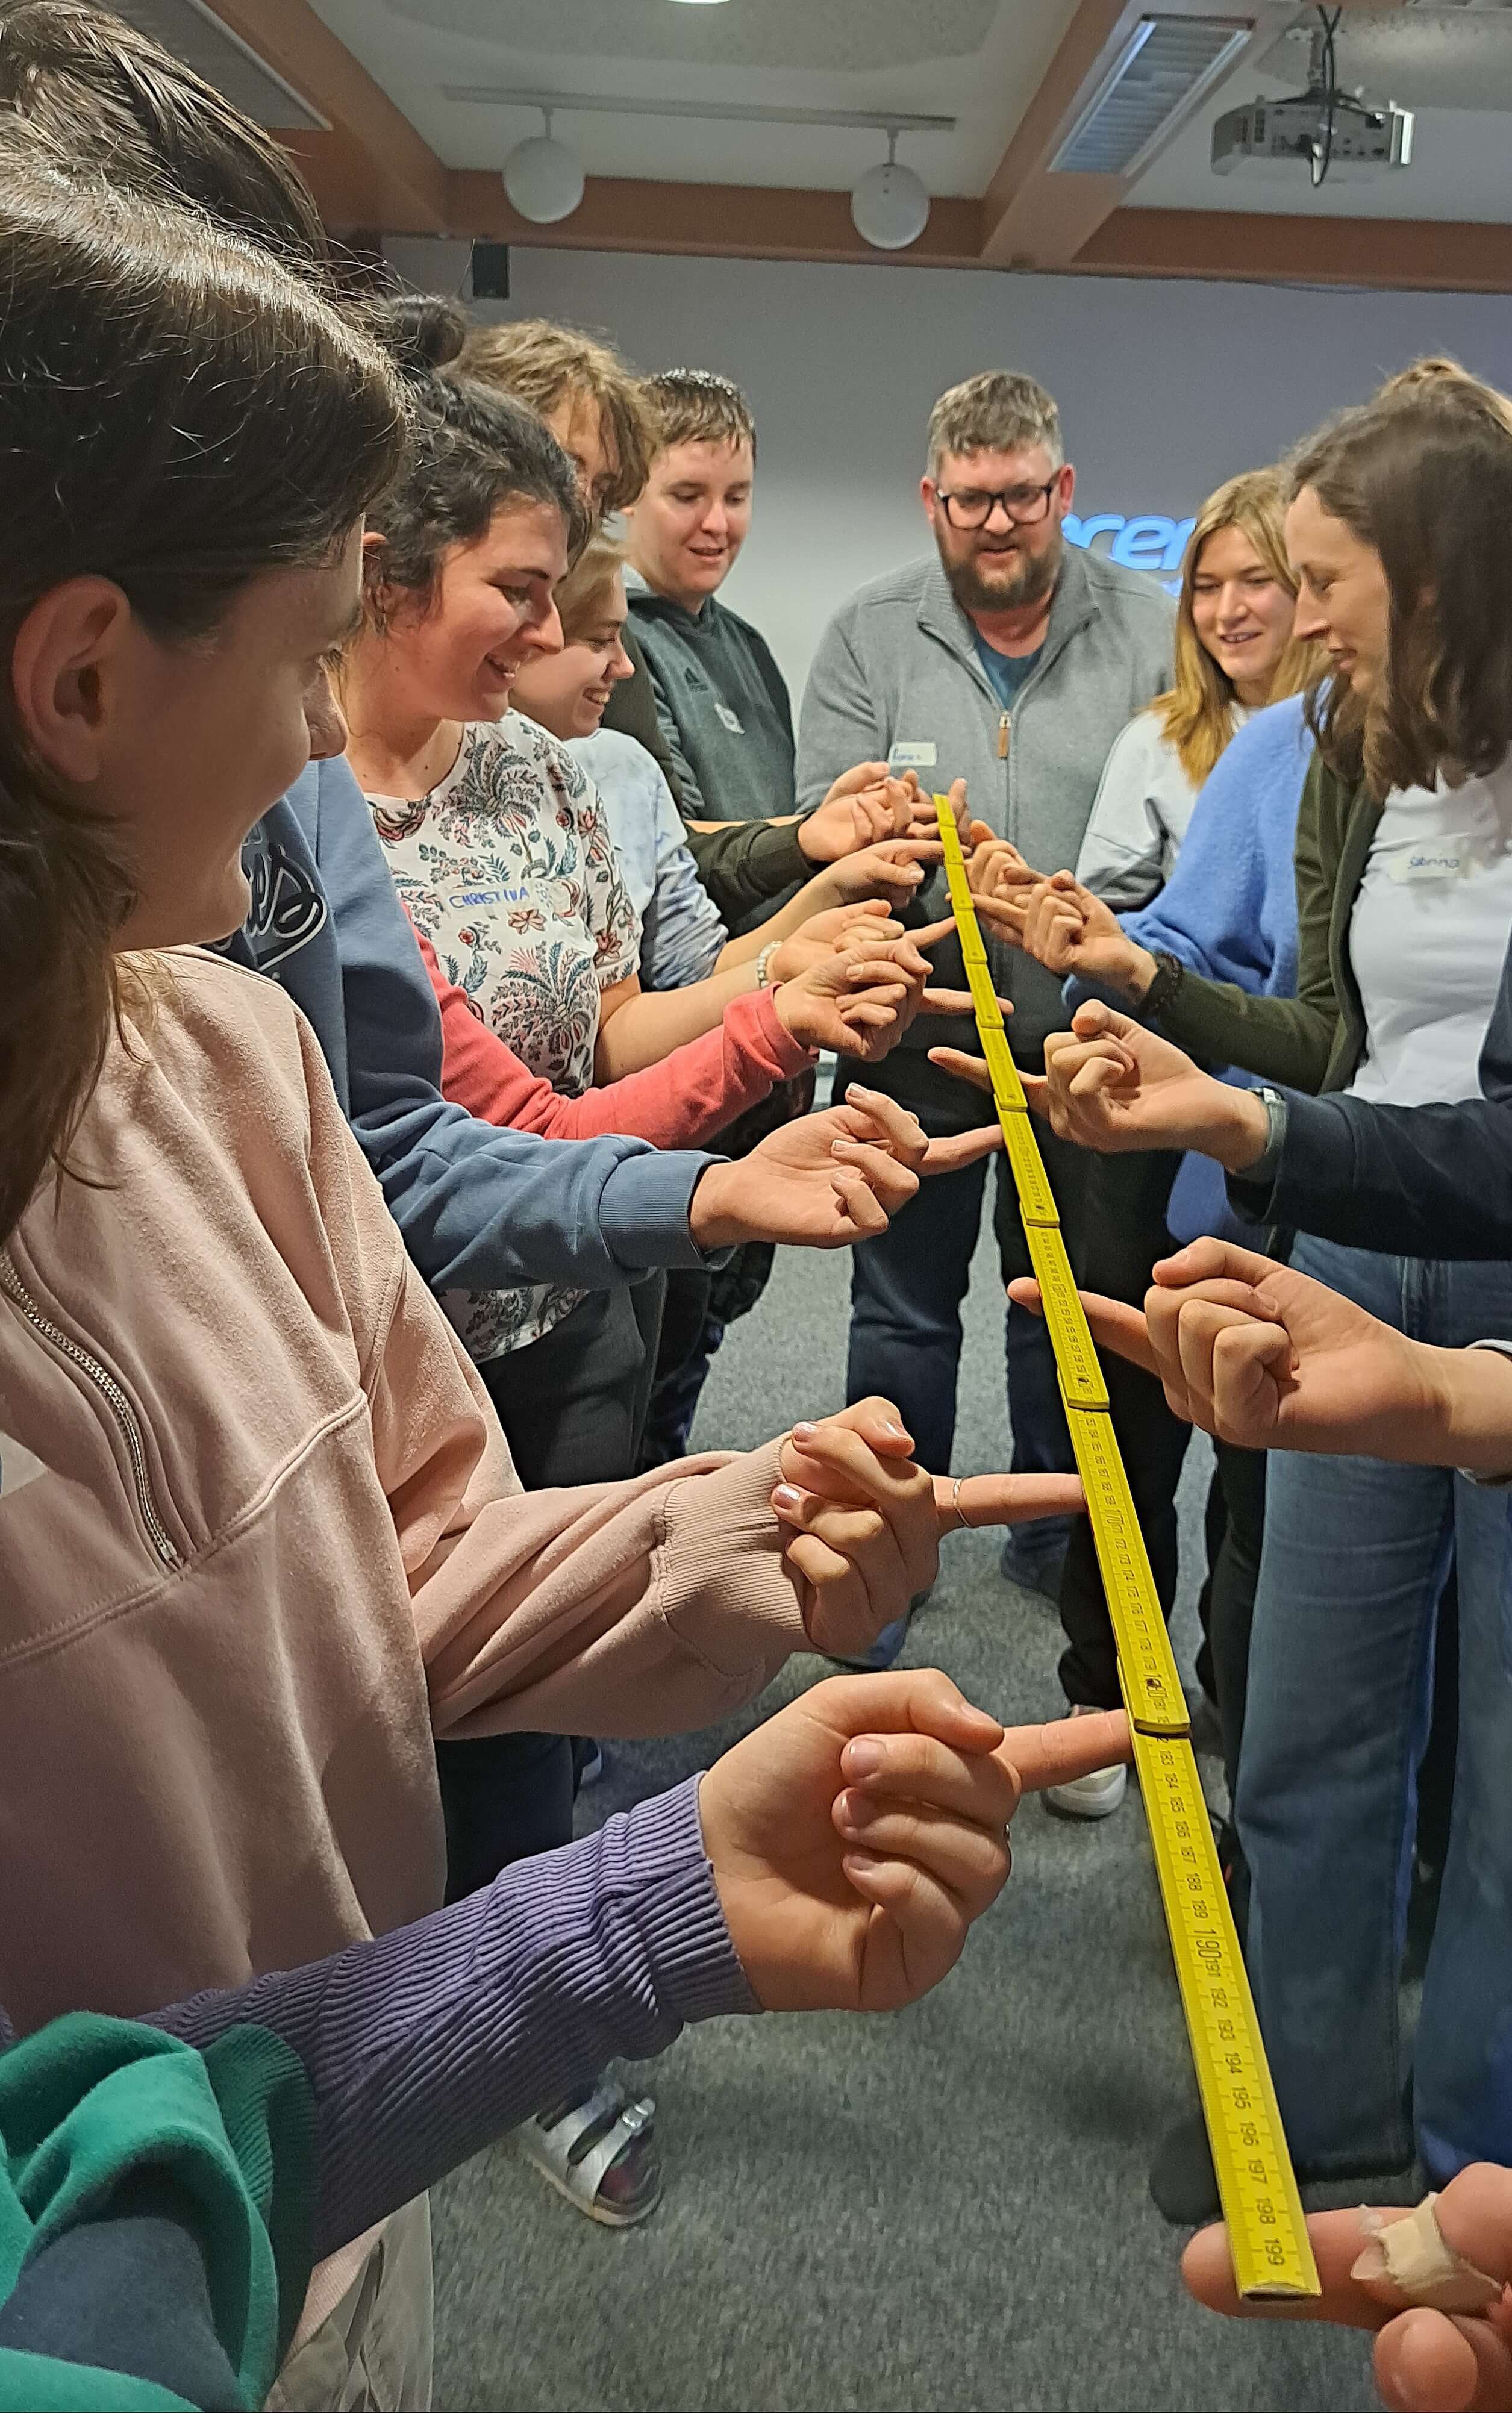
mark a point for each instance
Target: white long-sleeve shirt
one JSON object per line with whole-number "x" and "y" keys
{"x": 1139, "y": 817}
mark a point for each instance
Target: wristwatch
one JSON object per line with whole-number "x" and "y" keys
{"x": 764, "y": 963}
{"x": 1263, "y": 1172}
{"x": 1170, "y": 971}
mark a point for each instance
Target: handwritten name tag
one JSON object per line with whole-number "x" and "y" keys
{"x": 916, "y": 754}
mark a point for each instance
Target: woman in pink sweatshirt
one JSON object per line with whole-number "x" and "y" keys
{"x": 258, "y": 1535}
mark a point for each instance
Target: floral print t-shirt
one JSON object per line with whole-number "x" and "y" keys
{"x": 509, "y": 868}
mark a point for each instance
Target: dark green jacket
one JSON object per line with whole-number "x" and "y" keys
{"x": 1313, "y": 1041}
{"x": 744, "y": 867}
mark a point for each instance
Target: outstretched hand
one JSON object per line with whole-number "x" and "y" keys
{"x": 1425, "y": 2361}
{"x": 865, "y": 803}
{"x": 1112, "y": 1084}
{"x": 870, "y": 1118}
{"x": 856, "y": 1835}
{"x": 866, "y": 1522}
{"x": 1267, "y": 1358}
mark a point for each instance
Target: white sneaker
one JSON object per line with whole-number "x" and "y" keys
{"x": 1096, "y": 1796}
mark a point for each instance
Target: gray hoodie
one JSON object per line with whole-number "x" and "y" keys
{"x": 722, "y": 705}
{"x": 896, "y": 675}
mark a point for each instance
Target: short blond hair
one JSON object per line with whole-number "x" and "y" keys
{"x": 998, "y": 411}
{"x": 542, "y": 365}
{"x": 698, "y": 406}
{"x": 580, "y": 596}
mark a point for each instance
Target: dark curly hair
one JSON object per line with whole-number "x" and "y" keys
{"x": 474, "y": 452}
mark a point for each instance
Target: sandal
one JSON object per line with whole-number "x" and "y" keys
{"x": 598, "y": 2149}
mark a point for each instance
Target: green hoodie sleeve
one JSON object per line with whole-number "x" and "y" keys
{"x": 748, "y": 865}
{"x": 1284, "y": 1039}
{"x": 99, "y": 2115}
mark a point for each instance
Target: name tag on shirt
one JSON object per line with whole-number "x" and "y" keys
{"x": 1417, "y": 863}
{"x": 16, "y": 1466}
{"x": 911, "y": 754}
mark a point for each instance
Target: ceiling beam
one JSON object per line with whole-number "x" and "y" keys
{"x": 372, "y": 169}
{"x": 1410, "y": 255}
{"x": 729, "y": 221}
{"x": 1036, "y": 217}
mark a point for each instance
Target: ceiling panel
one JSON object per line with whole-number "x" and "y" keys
{"x": 192, "y": 34}
{"x": 789, "y": 34}
{"x": 978, "y": 61}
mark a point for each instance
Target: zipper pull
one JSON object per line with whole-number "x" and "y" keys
{"x": 1003, "y": 737}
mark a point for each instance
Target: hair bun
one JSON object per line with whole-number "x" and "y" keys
{"x": 420, "y": 332}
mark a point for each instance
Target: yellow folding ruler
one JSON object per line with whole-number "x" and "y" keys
{"x": 1266, "y": 2225}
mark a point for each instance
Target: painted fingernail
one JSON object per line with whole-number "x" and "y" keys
{"x": 862, "y": 1757}
{"x": 786, "y": 1500}
{"x": 804, "y": 1431}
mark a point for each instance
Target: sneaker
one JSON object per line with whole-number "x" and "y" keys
{"x": 1096, "y": 1796}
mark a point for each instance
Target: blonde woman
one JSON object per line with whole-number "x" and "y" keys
{"x": 1234, "y": 654}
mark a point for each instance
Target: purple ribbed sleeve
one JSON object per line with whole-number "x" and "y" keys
{"x": 424, "y": 2045}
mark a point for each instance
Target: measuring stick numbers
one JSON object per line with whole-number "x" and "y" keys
{"x": 1267, "y": 2231}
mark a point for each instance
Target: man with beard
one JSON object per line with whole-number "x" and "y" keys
{"x": 1012, "y": 662}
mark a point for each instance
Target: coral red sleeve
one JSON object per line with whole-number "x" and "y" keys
{"x": 689, "y": 1095}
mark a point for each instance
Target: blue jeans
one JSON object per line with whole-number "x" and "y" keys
{"x": 906, "y": 1291}
{"x": 1340, "y": 1689}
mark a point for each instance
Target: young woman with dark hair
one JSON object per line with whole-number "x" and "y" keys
{"x": 503, "y": 855}
{"x": 258, "y": 1535}
{"x": 1405, "y": 895}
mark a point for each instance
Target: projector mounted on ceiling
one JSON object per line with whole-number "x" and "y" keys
{"x": 1324, "y": 130}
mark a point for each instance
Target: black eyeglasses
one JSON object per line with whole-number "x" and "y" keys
{"x": 971, "y": 506}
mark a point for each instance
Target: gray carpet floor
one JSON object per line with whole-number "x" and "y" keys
{"x": 943, "y": 2209}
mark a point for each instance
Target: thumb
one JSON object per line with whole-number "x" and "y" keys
{"x": 861, "y": 775}
{"x": 1095, "y": 1020}
{"x": 876, "y": 1420}
{"x": 980, "y": 834}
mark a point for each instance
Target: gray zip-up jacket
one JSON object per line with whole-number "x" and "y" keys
{"x": 896, "y": 675}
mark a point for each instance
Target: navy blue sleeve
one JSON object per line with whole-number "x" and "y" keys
{"x": 1416, "y": 1181}
{"x": 481, "y": 1209}
{"x": 127, "y": 2291}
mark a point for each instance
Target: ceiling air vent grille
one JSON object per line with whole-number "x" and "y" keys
{"x": 1161, "y": 72}
{"x": 193, "y": 34}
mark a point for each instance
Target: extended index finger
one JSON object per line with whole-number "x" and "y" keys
{"x": 1113, "y": 1325}
{"x": 1065, "y": 1748}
